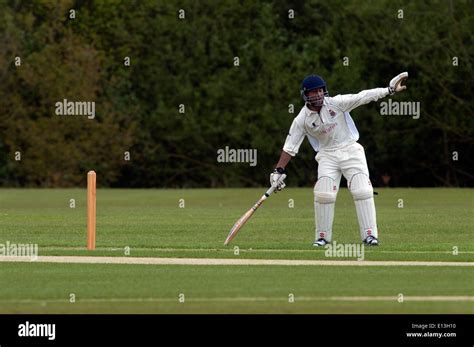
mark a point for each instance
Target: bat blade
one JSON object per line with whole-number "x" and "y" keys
{"x": 242, "y": 220}
{"x": 238, "y": 225}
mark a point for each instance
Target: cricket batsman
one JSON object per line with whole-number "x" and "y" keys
{"x": 327, "y": 124}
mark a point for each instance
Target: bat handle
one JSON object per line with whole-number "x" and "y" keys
{"x": 272, "y": 188}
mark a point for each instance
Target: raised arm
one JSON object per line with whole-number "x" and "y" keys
{"x": 349, "y": 102}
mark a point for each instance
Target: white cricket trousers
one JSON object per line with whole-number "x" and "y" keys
{"x": 349, "y": 161}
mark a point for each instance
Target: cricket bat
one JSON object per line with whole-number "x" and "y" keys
{"x": 242, "y": 220}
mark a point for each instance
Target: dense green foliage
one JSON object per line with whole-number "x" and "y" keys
{"x": 190, "y": 61}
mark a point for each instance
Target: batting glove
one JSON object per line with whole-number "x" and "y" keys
{"x": 395, "y": 84}
{"x": 275, "y": 179}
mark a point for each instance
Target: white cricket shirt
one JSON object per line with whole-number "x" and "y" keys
{"x": 332, "y": 128}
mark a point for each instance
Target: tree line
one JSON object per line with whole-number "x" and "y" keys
{"x": 175, "y": 82}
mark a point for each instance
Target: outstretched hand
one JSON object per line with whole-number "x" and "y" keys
{"x": 395, "y": 84}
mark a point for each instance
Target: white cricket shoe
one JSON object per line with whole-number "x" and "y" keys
{"x": 371, "y": 241}
{"x": 320, "y": 243}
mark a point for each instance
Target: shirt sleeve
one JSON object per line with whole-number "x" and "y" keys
{"x": 295, "y": 137}
{"x": 348, "y": 102}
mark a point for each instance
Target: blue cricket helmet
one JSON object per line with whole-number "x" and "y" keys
{"x": 310, "y": 83}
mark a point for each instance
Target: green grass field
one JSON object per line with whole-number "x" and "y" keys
{"x": 151, "y": 223}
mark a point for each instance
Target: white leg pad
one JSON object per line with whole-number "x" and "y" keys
{"x": 325, "y": 193}
{"x": 363, "y": 194}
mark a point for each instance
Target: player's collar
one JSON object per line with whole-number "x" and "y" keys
{"x": 309, "y": 111}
